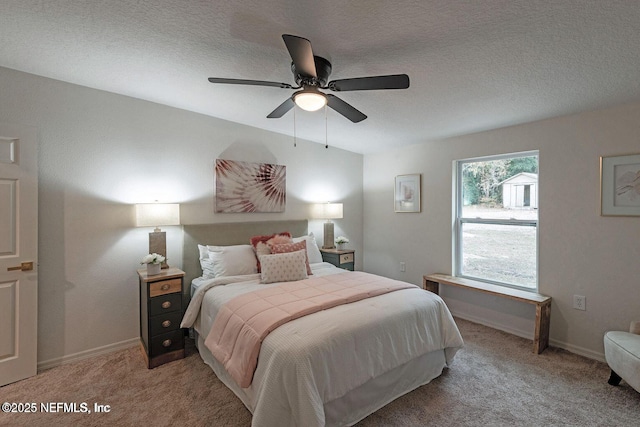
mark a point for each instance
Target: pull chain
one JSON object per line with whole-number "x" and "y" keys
{"x": 294, "y": 127}
{"x": 326, "y": 138}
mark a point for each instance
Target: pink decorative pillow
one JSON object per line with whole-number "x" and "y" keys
{"x": 284, "y": 267}
{"x": 261, "y": 243}
{"x": 256, "y": 239}
{"x": 292, "y": 247}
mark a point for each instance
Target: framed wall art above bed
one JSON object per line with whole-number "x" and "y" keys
{"x": 243, "y": 187}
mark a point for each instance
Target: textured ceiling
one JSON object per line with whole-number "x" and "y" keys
{"x": 473, "y": 65}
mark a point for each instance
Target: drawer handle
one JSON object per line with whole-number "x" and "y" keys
{"x": 166, "y": 343}
{"x": 166, "y": 323}
{"x": 166, "y": 304}
{"x": 165, "y": 287}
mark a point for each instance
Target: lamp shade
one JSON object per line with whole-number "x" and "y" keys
{"x": 326, "y": 211}
{"x": 310, "y": 100}
{"x": 156, "y": 214}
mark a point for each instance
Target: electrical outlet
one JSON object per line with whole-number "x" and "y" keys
{"x": 403, "y": 266}
{"x": 579, "y": 302}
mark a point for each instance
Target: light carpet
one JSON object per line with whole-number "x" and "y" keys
{"x": 494, "y": 381}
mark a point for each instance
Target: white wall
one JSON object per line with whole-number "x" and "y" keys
{"x": 99, "y": 153}
{"x": 581, "y": 252}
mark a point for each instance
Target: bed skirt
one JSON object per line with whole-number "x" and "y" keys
{"x": 360, "y": 402}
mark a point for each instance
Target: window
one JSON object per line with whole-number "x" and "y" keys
{"x": 496, "y": 230}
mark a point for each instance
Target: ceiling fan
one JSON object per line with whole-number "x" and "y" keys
{"x": 311, "y": 73}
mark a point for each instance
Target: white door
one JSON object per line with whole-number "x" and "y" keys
{"x": 18, "y": 251}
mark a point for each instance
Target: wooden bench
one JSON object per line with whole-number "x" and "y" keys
{"x": 542, "y": 302}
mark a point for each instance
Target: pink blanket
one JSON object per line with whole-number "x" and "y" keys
{"x": 243, "y": 323}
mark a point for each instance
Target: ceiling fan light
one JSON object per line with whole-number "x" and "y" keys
{"x": 310, "y": 101}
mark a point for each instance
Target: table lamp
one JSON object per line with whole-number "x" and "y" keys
{"x": 327, "y": 211}
{"x": 155, "y": 215}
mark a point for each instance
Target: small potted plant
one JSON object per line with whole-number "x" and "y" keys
{"x": 341, "y": 241}
{"x": 154, "y": 263}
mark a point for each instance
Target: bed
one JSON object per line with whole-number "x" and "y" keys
{"x": 331, "y": 367}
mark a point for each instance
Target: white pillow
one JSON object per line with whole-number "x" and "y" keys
{"x": 284, "y": 267}
{"x": 205, "y": 263}
{"x": 234, "y": 260}
{"x": 312, "y": 248}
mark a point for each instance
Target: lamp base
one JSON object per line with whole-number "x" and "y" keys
{"x": 328, "y": 236}
{"x": 158, "y": 245}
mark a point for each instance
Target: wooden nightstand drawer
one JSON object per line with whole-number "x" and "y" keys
{"x": 165, "y": 323}
{"x": 165, "y": 304}
{"x": 345, "y": 258}
{"x": 341, "y": 258}
{"x": 165, "y": 287}
{"x": 166, "y": 343}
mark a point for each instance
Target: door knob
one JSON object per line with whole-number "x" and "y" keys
{"x": 25, "y": 266}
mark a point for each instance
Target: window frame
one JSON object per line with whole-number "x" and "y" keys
{"x": 459, "y": 220}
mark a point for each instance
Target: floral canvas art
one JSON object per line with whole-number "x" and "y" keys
{"x": 249, "y": 187}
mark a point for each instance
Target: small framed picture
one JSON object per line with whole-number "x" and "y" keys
{"x": 407, "y": 193}
{"x": 620, "y": 185}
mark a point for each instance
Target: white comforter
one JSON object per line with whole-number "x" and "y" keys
{"x": 317, "y": 359}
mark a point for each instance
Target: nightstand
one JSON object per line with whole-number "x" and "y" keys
{"x": 160, "y": 315}
{"x": 340, "y": 258}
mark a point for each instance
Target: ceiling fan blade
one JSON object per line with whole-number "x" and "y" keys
{"x": 301, "y": 53}
{"x": 250, "y": 82}
{"x": 345, "y": 109}
{"x": 282, "y": 109}
{"x": 395, "y": 81}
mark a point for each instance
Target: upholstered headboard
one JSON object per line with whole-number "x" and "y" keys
{"x": 224, "y": 234}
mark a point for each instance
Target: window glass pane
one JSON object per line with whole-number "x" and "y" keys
{"x": 500, "y": 189}
{"x": 501, "y": 253}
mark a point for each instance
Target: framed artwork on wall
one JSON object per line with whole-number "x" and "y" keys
{"x": 620, "y": 185}
{"x": 243, "y": 187}
{"x": 407, "y": 193}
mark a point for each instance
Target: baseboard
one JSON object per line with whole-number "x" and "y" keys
{"x": 581, "y": 351}
{"x": 72, "y": 358}
{"x": 482, "y": 321}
